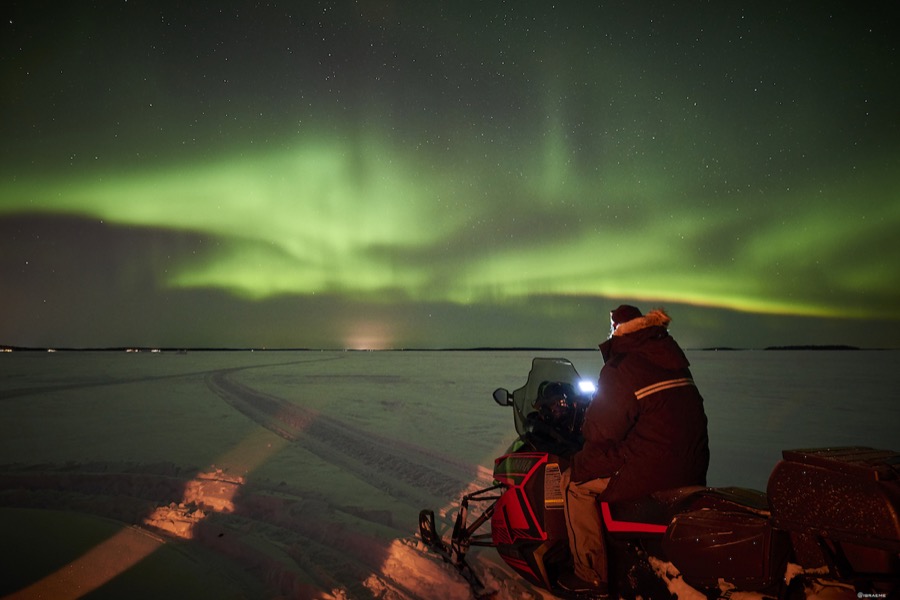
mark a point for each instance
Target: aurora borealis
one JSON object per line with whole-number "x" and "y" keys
{"x": 417, "y": 174}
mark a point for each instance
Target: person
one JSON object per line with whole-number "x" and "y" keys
{"x": 555, "y": 426}
{"x": 644, "y": 431}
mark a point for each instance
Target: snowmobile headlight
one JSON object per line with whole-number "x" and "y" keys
{"x": 586, "y": 386}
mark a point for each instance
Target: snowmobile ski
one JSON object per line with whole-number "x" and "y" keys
{"x": 429, "y": 537}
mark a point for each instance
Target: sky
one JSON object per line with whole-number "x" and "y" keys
{"x": 392, "y": 174}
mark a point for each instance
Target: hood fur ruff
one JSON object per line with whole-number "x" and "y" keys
{"x": 655, "y": 317}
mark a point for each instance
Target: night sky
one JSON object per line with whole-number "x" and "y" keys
{"x": 388, "y": 174}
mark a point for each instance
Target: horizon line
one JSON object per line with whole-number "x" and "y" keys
{"x": 6, "y": 348}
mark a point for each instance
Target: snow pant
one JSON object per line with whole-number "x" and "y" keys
{"x": 585, "y": 527}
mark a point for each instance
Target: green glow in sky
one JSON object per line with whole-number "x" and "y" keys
{"x": 372, "y": 221}
{"x": 449, "y": 173}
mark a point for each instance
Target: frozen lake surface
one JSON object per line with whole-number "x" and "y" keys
{"x": 316, "y": 464}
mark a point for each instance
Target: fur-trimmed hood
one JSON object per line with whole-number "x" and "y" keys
{"x": 648, "y": 336}
{"x": 656, "y": 317}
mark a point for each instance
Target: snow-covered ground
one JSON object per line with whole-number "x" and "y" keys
{"x": 301, "y": 474}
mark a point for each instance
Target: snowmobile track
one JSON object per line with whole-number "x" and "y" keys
{"x": 378, "y": 460}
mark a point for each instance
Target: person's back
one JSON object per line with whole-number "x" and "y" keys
{"x": 644, "y": 431}
{"x": 646, "y": 428}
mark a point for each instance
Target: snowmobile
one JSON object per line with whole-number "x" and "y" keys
{"x": 828, "y": 520}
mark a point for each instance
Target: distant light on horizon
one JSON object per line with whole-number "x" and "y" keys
{"x": 369, "y": 335}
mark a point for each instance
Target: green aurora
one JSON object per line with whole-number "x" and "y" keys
{"x": 741, "y": 187}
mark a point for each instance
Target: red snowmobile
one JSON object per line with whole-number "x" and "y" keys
{"x": 829, "y": 518}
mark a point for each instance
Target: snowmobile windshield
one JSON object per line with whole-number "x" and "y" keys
{"x": 543, "y": 371}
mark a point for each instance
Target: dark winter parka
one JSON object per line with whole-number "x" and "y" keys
{"x": 646, "y": 427}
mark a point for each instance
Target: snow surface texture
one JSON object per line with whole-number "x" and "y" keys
{"x": 301, "y": 474}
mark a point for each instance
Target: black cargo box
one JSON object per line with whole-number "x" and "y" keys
{"x": 741, "y": 548}
{"x": 844, "y": 494}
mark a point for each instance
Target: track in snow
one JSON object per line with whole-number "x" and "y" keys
{"x": 410, "y": 473}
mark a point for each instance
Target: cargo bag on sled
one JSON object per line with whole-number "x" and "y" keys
{"x": 841, "y": 507}
{"x": 740, "y": 548}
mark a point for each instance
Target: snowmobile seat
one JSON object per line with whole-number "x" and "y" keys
{"x": 652, "y": 514}
{"x": 648, "y": 515}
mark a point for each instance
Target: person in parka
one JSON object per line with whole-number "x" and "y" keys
{"x": 644, "y": 431}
